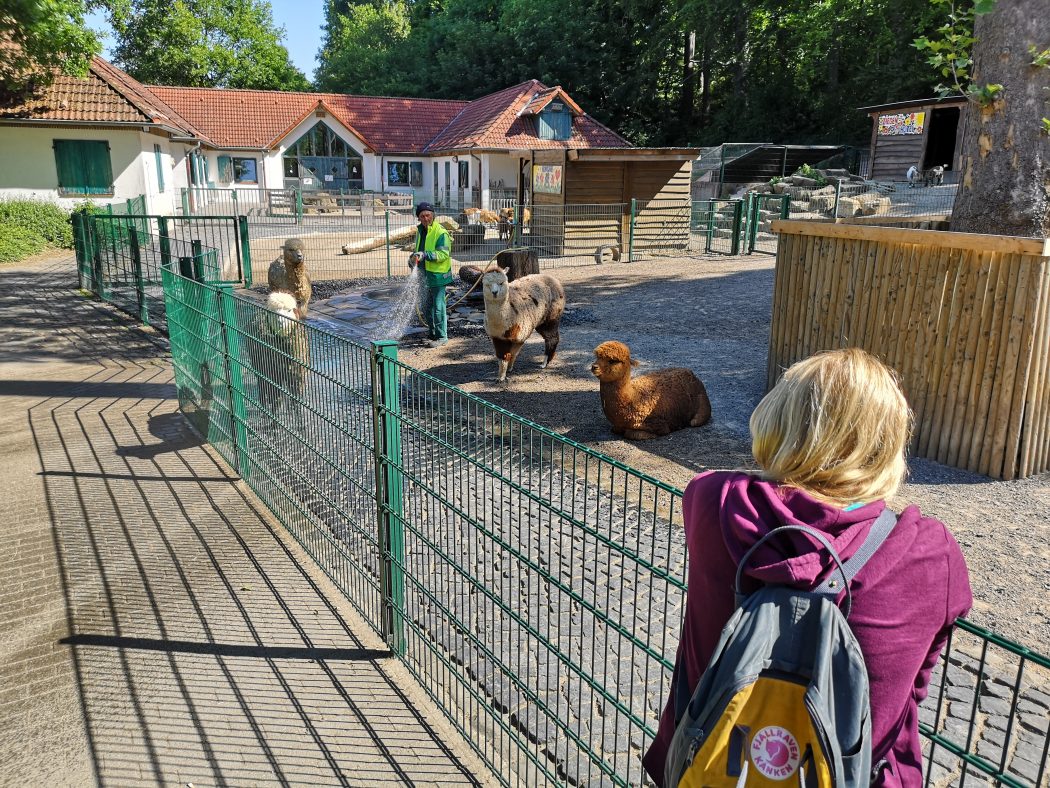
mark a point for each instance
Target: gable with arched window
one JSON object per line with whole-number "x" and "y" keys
{"x": 321, "y": 159}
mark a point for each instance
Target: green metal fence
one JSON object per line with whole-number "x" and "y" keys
{"x": 126, "y": 260}
{"x": 533, "y": 586}
{"x": 760, "y": 211}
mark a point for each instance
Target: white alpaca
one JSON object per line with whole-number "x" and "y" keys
{"x": 513, "y": 310}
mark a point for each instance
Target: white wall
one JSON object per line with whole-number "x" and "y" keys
{"x": 503, "y": 168}
{"x": 27, "y": 162}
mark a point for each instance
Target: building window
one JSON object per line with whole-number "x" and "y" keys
{"x": 83, "y": 167}
{"x": 404, "y": 173}
{"x": 159, "y": 160}
{"x": 244, "y": 171}
{"x": 321, "y": 158}
{"x": 464, "y": 175}
{"x": 555, "y": 122}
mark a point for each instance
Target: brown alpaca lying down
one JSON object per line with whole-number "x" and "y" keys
{"x": 649, "y": 405}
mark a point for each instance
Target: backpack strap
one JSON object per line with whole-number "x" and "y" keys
{"x": 880, "y": 529}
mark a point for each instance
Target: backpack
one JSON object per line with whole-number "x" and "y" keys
{"x": 784, "y": 699}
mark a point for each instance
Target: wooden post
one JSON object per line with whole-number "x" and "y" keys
{"x": 519, "y": 263}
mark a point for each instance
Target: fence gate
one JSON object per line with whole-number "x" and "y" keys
{"x": 760, "y": 211}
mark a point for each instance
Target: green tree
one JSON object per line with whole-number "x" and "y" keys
{"x": 44, "y": 35}
{"x": 204, "y": 43}
{"x": 365, "y": 49}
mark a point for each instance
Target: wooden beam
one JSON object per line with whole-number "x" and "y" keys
{"x": 933, "y": 238}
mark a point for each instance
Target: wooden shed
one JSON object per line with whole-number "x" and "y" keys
{"x": 581, "y": 199}
{"x": 923, "y": 132}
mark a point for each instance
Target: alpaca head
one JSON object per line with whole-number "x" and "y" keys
{"x": 495, "y": 285}
{"x": 612, "y": 361}
{"x": 294, "y": 252}
{"x": 283, "y": 312}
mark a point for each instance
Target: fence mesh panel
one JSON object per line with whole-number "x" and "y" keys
{"x": 533, "y": 586}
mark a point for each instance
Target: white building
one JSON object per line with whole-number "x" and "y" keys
{"x": 109, "y": 138}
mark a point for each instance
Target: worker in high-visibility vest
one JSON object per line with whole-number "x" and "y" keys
{"x": 434, "y": 252}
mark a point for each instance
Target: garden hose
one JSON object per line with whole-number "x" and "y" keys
{"x": 485, "y": 270}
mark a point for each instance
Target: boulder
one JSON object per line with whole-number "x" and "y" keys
{"x": 802, "y": 181}
{"x": 822, "y": 203}
{"x": 872, "y": 204}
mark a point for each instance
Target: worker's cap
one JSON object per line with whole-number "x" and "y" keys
{"x": 425, "y": 206}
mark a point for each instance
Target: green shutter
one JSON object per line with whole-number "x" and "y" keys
{"x": 225, "y": 169}
{"x": 83, "y": 166}
{"x": 160, "y": 168}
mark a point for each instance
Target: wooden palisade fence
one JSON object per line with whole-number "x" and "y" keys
{"x": 963, "y": 318}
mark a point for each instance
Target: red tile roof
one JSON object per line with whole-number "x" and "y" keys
{"x": 106, "y": 95}
{"x": 545, "y": 97}
{"x": 495, "y": 121}
{"x": 260, "y": 118}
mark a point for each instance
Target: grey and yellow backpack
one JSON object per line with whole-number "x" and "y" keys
{"x": 784, "y": 699}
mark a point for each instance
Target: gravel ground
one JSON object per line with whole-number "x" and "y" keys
{"x": 712, "y": 315}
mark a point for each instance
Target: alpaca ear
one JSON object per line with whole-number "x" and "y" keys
{"x": 503, "y": 271}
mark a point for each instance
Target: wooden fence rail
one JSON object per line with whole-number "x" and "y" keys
{"x": 963, "y": 318}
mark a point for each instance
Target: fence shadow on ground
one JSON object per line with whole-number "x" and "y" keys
{"x": 203, "y": 651}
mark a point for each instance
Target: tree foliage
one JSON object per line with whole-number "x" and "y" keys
{"x": 761, "y": 70}
{"x": 204, "y": 43}
{"x": 42, "y": 35}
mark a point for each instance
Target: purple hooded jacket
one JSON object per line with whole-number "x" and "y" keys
{"x": 905, "y": 599}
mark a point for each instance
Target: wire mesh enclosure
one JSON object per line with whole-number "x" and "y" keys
{"x": 533, "y": 586}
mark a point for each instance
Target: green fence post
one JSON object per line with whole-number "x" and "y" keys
{"x": 753, "y": 213}
{"x": 99, "y": 287}
{"x": 136, "y": 262}
{"x": 185, "y": 202}
{"x": 198, "y": 259}
{"x": 738, "y": 212}
{"x": 711, "y": 210}
{"x": 246, "y": 250}
{"x": 386, "y": 220}
{"x": 233, "y": 196}
{"x": 165, "y": 242}
{"x": 630, "y": 232}
{"x": 386, "y": 408}
{"x": 785, "y": 206}
{"x": 231, "y": 360}
{"x": 78, "y": 246}
{"x": 186, "y": 267}
{"x": 298, "y": 206}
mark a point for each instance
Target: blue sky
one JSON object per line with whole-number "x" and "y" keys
{"x": 301, "y": 20}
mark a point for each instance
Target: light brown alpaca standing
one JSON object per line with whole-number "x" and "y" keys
{"x": 288, "y": 274}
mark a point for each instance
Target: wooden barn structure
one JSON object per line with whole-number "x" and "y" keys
{"x": 582, "y": 199}
{"x": 924, "y": 132}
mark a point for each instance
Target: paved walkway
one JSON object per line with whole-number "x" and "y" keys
{"x": 155, "y": 626}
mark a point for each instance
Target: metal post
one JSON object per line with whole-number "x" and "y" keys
{"x": 165, "y": 242}
{"x": 630, "y": 237}
{"x": 386, "y": 409}
{"x": 386, "y": 222}
{"x": 198, "y": 262}
{"x": 136, "y": 262}
{"x": 738, "y": 212}
{"x": 99, "y": 284}
{"x": 244, "y": 270}
{"x": 753, "y": 218}
{"x": 298, "y": 206}
{"x": 784, "y": 163}
{"x": 231, "y": 361}
{"x": 838, "y": 196}
{"x": 186, "y": 267}
{"x": 186, "y": 202}
{"x": 711, "y": 208}
{"x": 233, "y": 195}
{"x": 785, "y": 206}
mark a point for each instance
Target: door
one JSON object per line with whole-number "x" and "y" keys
{"x": 464, "y": 184}
{"x": 448, "y": 183}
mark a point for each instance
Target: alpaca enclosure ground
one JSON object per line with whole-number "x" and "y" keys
{"x": 712, "y": 315}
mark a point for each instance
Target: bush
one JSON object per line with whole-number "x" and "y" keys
{"x": 45, "y": 219}
{"x": 17, "y": 243}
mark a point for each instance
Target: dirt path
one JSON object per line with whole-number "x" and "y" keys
{"x": 712, "y": 315}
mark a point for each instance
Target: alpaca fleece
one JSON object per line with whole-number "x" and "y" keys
{"x": 650, "y": 405}
{"x": 278, "y": 350}
{"x": 513, "y": 310}
{"x": 288, "y": 273}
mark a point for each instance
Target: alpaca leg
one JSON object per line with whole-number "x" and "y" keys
{"x": 514, "y": 351}
{"x": 549, "y": 332}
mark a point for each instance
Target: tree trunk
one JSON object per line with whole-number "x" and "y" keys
{"x": 705, "y": 87}
{"x": 688, "y": 97}
{"x": 1004, "y": 165}
{"x": 519, "y": 263}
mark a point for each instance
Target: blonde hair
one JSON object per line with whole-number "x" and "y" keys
{"x": 836, "y": 426}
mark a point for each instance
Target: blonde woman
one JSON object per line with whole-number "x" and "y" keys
{"x": 830, "y": 440}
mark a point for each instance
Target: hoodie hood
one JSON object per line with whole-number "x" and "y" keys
{"x": 752, "y": 507}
